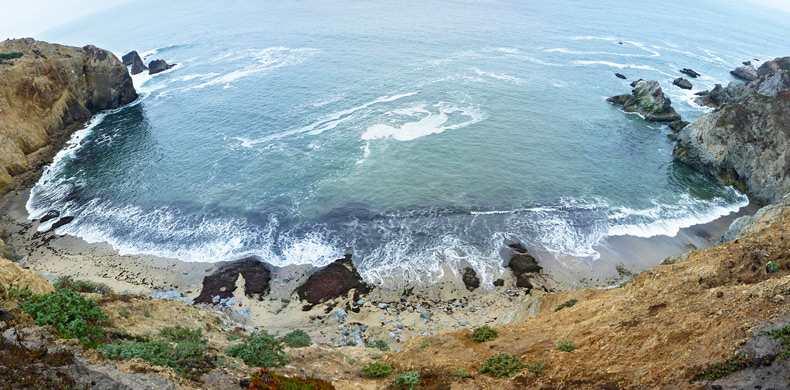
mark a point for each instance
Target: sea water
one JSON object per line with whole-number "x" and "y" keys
{"x": 408, "y": 133}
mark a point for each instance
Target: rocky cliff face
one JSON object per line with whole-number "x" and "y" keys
{"x": 46, "y": 94}
{"x": 746, "y": 141}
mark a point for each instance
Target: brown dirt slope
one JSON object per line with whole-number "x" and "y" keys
{"x": 657, "y": 331}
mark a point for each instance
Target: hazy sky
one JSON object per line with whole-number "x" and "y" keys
{"x": 29, "y": 18}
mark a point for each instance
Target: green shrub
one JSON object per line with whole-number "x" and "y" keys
{"x": 568, "y": 303}
{"x": 425, "y": 344}
{"x": 381, "y": 345}
{"x": 233, "y": 337}
{"x": 297, "y": 339}
{"x": 15, "y": 293}
{"x": 72, "y": 315}
{"x": 537, "y": 367}
{"x": 376, "y": 357}
{"x": 267, "y": 380}
{"x": 566, "y": 346}
{"x": 147, "y": 314}
{"x": 714, "y": 371}
{"x": 502, "y": 365}
{"x": 182, "y": 349}
{"x": 408, "y": 380}
{"x": 784, "y": 335}
{"x": 376, "y": 370}
{"x": 260, "y": 350}
{"x": 82, "y": 286}
{"x": 484, "y": 333}
{"x": 459, "y": 374}
{"x": 772, "y": 267}
{"x": 11, "y": 55}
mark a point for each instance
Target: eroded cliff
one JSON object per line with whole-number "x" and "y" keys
{"x": 46, "y": 94}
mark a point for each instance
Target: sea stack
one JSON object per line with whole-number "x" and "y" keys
{"x": 648, "y": 100}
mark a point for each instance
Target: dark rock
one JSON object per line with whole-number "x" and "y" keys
{"x": 746, "y": 72}
{"x": 747, "y": 62}
{"x": 778, "y": 65}
{"x": 128, "y": 58}
{"x": 620, "y": 43}
{"x": 499, "y": 282}
{"x": 523, "y": 265}
{"x": 517, "y": 247}
{"x": 51, "y": 214}
{"x": 676, "y": 126}
{"x": 635, "y": 82}
{"x": 158, "y": 66}
{"x": 621, "y": 76}
{"x": 690, "y": 72}
{"x": 61, "y": 222}
{"x": 648, "y": 100}
{"x": 138, "y": 66}
{"x": 109, "y": 85}
{"x": 470, "y": 279}
{"x": 332, "y": 281}
{"x": 672, "y": 137}
{"x": 222, "y": 283}
{"x": 682, "y": 83}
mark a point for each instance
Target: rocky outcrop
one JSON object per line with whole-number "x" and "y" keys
{"x": 133, "y": 59}
{"x": 648, "y": 100}
{"x": 523, "y": 266}
{"x": 620, "y": 75}
{"x": 680, "y": 82}
{"x": 745, "y": 142}
{"x": 130, "y": 57}
{"x": 332, "y": 281}
{"x": 676, "y": 126}
{"x": 13, "y": 275}
{"x": 158, "y": 66}
{"x": 222, "y": 283}
{"x": 47, "y": 94}
{"x": 746, "y": 72}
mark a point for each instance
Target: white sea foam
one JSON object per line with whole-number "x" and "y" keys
{"x": 499, "y": 76}
{"x": 433, "y": 120}
{"x": 327, "y": 123}
{"x": 257, "y": 61}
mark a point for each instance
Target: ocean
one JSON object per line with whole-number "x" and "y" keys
{"x": 410, "y": 134}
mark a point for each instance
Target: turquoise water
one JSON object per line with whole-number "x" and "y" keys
{"x": 410, "y": 133}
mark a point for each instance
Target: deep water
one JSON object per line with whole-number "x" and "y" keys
{"x": 410, "y": 133}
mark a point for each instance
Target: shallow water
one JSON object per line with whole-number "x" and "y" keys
{"x": 408, "y": 133}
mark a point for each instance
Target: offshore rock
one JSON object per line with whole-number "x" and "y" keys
{"x": 222, "y": 283}
{"x": 128, "y": 58}
{"x": 332, "y": 281}
{"x": 648, "y": 100}
{"x": 676, "y": 126}
{"x": 680, "y": 82}
{"x": 620, "y": 75}
{"x": 690, "y": 72}
{"x": 46, "y": 95}
{"x": 745, "y": 141}
{"x": 157, "y": 66}
{"x": 138, "y": 66}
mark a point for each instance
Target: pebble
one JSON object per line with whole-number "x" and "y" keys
{"x": 383, "y": 305}
{"x": 361, "y": 302}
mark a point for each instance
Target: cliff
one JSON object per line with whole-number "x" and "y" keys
{"x": 745, "y": 141}
{"x": 46, "y": 94}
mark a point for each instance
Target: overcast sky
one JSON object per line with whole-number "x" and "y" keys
{"x": 29, "y": 18}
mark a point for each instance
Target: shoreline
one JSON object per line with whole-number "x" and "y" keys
{"x": 387, "y": 313}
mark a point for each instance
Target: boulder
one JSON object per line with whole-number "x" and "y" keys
{"x": 523, "y": 266}
{"x": 158, "y": 66}
{"x": 222, "y": 283}
{"x": 682, "y": 83}
{"x": 774, "y": 66}
{"x": 332, "y": 281}
{"x": 648, "y": 100}
{"x": 471, "y": 281}
{"x": 746, "y": 72}
{"x": 51, "y": 214}
{"x": 633, "y": 84}
{"x": 690, "y": 72}
{"x": 620, "y": 75}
